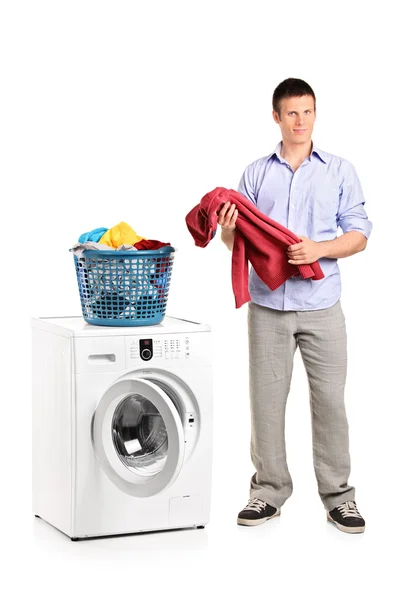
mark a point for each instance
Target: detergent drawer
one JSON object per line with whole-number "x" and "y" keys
{"x": 99, "y": 355}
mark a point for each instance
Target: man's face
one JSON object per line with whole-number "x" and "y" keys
{"x": 297, "y": 117}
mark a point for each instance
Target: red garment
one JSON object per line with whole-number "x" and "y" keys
{"x": 161, "y": 264}
{"x": 150, "y": 245}
{"x": 258, "y": 239}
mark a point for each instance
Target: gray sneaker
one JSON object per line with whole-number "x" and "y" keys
{"x": 257, "y": 512}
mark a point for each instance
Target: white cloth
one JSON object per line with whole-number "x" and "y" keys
{"x": 78, "y": 249}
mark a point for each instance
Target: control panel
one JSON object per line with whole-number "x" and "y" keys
{"x": 169, "y": 348}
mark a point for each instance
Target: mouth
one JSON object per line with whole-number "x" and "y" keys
{"x": 299, "y": 130}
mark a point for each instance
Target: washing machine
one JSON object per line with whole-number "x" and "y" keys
{"x": 122, "y": 426}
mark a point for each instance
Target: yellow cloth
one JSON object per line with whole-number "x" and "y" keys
{"x": 120, "y": 234}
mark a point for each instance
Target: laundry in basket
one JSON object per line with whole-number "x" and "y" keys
{"x": 127, "y": 287}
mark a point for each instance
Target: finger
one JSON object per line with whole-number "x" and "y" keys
{"x": 227, "y": 217}
{"x": 295, "y": 246}
{"x": 224, "y": 209}
{"x": 222, "y": 213}
{"x": 299, "y": 262}
{"x": 234, "y": 216}
{"x": 231, "y": 211}
{"x": 225, "y": 222}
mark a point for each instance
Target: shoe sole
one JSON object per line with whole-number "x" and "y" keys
{"x": 252, "y": 522}
{"x": 345, "y": 528}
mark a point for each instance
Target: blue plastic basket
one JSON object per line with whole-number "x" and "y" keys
{"x": 124, "y": 288}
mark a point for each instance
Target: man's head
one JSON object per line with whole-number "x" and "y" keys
{"x": 294, "y": 109}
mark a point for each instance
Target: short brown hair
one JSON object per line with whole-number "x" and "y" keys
{"x": 291, "y": 88}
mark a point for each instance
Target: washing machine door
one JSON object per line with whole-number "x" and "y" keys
{"x": 138, "y": 437}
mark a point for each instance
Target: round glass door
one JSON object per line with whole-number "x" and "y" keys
{"x": 138, "y": 437}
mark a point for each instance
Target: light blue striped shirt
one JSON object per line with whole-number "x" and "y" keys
{"x": 324, "y": 193}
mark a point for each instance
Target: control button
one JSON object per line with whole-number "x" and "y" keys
{"x": 146, "y": 348}
{"x": 167, "y": 355}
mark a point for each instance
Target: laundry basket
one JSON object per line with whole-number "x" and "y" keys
{"x": 124, "y": 288}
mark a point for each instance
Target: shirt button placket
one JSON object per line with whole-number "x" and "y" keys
{"x": 292, "y": 206}
{"x": 292, "y": 226}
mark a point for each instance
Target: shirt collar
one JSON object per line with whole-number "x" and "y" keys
{"x": 319, "y": 153}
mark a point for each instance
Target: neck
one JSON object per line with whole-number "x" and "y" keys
{"x": 296, "y": 152}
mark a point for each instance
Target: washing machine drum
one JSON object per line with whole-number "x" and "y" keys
{"x": 138, "y": 436}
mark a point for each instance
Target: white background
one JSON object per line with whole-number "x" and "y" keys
{"x": 132, "y": 111}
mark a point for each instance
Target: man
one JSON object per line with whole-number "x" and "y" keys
{"x": 311, "y": 193}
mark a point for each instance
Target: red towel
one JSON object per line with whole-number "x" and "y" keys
{"x": 258, "y": 239}
{"x": 150, "y": 245}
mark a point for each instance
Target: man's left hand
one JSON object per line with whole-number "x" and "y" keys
{"x": 305, "y": 252}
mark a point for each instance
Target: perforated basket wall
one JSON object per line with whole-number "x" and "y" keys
{"x": 124, "y": 288}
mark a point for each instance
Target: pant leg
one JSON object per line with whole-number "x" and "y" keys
{"x": 322, "y": 339}
{"x": 271, "y": 349}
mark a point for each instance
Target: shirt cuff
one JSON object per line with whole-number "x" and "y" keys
{"x": 360, "y": 225}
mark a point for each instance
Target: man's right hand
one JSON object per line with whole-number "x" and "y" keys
{"x": 227, "y": 217}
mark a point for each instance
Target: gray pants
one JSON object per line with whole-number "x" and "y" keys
{"x": 273, "y": 339}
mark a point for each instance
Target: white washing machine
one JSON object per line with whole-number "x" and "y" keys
{"x": 122, "y": 426}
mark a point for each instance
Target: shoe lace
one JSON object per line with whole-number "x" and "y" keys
{"x": 349, "y": 509}
{"x": 256, "y": 504}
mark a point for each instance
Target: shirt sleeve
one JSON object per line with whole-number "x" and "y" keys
{"x": 246, "y": 184}
{"x": 351, "y": 214}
